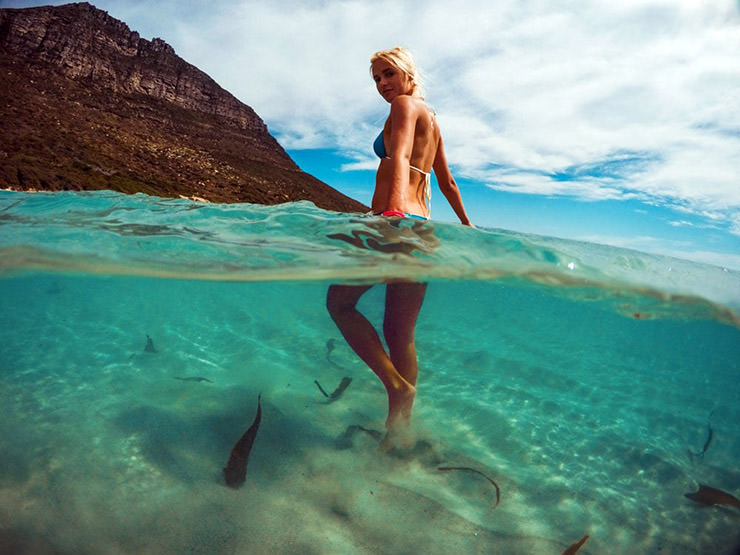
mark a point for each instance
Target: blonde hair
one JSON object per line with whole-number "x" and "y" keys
{"x": 401, "y": 59}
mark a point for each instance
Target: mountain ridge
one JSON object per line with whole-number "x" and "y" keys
{"x": 86, "y": 103}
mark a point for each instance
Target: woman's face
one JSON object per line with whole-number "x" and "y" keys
{"x": 390, "y": 81}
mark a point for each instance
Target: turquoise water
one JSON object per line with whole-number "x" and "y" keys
{"x": 578, "y": 377}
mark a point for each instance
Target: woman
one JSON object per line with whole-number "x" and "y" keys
{"x": 409, "y": 147}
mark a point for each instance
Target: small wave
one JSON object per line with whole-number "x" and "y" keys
{"x": 115, "y": 234}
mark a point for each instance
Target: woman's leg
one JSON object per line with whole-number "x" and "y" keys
{"x": 402, "y": 305}
{"x": 341, "y": 301}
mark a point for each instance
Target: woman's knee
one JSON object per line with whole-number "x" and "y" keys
{"x": 340, "y": 298}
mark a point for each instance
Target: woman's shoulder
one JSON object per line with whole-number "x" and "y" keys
{"x": 409, "y": 104}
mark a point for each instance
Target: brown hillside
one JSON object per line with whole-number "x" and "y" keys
{"x": 85, "y": 103}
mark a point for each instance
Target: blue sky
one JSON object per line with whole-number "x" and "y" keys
{"x": 611, "y": 122}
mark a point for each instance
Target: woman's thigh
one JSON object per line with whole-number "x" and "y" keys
{"x": 403, "y": 302}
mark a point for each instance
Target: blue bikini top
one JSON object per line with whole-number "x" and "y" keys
{"x": 379, "y": 146}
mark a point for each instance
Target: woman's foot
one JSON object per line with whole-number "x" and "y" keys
{"x": 400, "y": 403}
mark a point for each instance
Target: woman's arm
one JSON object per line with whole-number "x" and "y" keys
{"x": 447, "y": 184}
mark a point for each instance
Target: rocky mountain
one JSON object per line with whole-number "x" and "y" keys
{"x": 86, "y": 103}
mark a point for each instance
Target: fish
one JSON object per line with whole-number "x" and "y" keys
{"x": 709, "y": 496}
{"x": 574, "y": 547}
{"x": 468, "y": 469}
{"x": 344, "y": 384}
{"x": 330, "y": 346}
{"x": 323, "y": 391}
{"x": 710, "y": 435}
{"x": 193, "y": 379}
{"x": 235, "y": 471}
{"x": 149, "y": 347}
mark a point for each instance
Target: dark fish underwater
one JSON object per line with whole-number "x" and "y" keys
{"x": 235, "y": 472}
{"x": 710, "y": 435}
{"x": 338, "y": 391}
{"x": 149, "y": 347}
{"x": 710, "y": 496}
{"x": 198, "y": 379}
